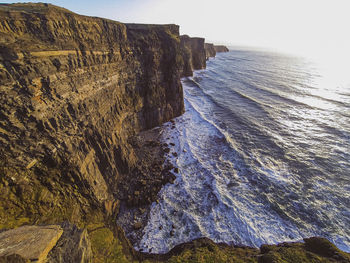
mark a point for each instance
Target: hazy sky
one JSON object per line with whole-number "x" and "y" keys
{"x": 312, "y": 26}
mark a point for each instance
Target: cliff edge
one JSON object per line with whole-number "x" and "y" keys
{"x": 193, "y": 54}
{"x": 75, "y": 92}
{"x": 221, "y": 48}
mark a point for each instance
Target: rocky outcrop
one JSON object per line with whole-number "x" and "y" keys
{"x": 209, "y": 50}
{"x": 193, "y": 54}
{"x": 30, "y": 242}
{"x": 74, "y": 89}
{"x": 74, "y": 92}
{"x": 315, "y": 249}
{"x": 52, "y": 244}
{"x": 74, "y": 246}
{"x": 221, "y": 48}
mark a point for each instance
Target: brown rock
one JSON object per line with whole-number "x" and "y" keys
{"x": 30, "y": 242}
{"x": 209, "y": 50}
{"x": 221, "y": 48}
{"x": 166, "y": 150}
{"x": 193, "y": 53}
{"x": 137, "y": 225}
{"x": 14, "y": 258}
{"x": 80, "y": 87}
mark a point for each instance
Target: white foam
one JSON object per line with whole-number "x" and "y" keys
{"x": 231, "y": 194}
{"x": 208, "y": 197}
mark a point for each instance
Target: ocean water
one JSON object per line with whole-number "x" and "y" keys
{"x": 263, "y": 155}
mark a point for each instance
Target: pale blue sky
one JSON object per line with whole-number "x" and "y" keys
{"x": 304, "y": 26}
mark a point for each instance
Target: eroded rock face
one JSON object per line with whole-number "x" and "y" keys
{"x": 73, "y": 90}
{"x": 209, "y": 50}
{"x": 193, "y": 53}
{"x": 221, "y": 48}
{"x": 73, "y": 247}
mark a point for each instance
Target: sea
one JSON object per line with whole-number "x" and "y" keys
{"x": 263, "y": 151}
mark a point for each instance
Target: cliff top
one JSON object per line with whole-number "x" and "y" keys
{"x": 31, "y": 7}
{"x": 188, "y": 37}
{"x": 44, "y": 8}
{"x": 40, "y": 27}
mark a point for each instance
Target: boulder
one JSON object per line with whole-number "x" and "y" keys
{"x": 30, "y": 242}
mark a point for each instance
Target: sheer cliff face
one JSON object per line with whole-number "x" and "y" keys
{"x": 193, "y": 53}
{"x": 73, "y": 90}
{"x": 209, "y": 50}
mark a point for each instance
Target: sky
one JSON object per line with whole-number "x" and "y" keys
{"x": 297, "y": 26}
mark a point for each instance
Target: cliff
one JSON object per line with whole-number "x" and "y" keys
{"x": 221, "y": 48}
{"x": 209, "y": 50}
{"x": 75, "y": 92}
{"x": 193, "y": 53}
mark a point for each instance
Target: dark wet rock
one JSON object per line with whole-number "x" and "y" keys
{"x": 172, "y": 178}
{"x": 172, "y": 144}
{"x": 73, "y": 246}
{"x": 166, "y": 150}
{"x": 176, "y": 170}
{"x": 137, "y": 225}
{"x": 174, "y": 154}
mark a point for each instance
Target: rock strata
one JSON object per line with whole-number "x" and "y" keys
{"x": 193, "y": 53}
{"x": 75, "y": 92}
{"x": 74, "y": 89}
{"x": 209, "y": 50}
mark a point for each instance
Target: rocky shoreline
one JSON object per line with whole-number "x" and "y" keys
{"x": 81, "y": 97}
{"x": 133, "y": 216}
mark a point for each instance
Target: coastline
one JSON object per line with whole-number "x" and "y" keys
{"x": 78, "y": 147}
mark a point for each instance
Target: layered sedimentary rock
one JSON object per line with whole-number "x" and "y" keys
{"x": 209, "y": 50}
{"x": 221, "y": 48}
{"x": 74, "y": 89}
{"x": 193, "y": 53}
